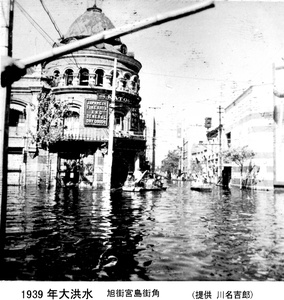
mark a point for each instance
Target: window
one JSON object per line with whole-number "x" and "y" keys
{"x": 127, "y": 78}
{"x": 228, "y": 135}
{"x": 56, "y": 74}
{"x": 16, "y": 117}
{"x": 84, "y": 76}
{"x": 111, "y": 76}
{"x": 69, "y": 76}
{"x": 71, "y": 121}
{"x": 99, "y": 77}
{"x": 123, "y": 49}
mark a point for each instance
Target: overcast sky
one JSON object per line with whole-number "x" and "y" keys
{"x": 189, "y": 66}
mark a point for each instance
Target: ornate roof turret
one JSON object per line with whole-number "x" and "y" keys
{"x": 92, "y": 21}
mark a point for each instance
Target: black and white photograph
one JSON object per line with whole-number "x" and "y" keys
{"x": 142, "y": 142}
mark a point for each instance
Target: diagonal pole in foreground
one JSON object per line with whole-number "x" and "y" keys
{"x": 117, "y": 32}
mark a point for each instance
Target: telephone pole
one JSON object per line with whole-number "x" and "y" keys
{"x": 6, "y": 50}
{"x": 154, "y": 146}
{"x": 109, "y": 160}
{"x": 154, "y": 140}
{"x": 220, "y": 140}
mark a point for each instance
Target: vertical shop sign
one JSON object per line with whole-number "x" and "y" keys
{"x": 134, "y": 119}
{"x": 96, "y": 112}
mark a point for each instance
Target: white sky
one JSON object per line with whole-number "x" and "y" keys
{"x": 189, "y": 66}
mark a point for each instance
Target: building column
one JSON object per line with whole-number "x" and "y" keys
{"x": 99, "y": 170}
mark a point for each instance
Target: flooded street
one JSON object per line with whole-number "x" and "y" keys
{"x": 177, "y": 234}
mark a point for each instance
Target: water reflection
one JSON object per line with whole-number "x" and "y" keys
{"x": 179, "y": 234}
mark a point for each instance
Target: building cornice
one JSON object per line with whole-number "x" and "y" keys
{"x": 101, "y": 54}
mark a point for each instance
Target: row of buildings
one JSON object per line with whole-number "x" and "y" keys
{"x": 83, "y": 81}
{"x": 254, "y": 120}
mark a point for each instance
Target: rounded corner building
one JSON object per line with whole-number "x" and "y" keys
{"x": 81, "y": 83}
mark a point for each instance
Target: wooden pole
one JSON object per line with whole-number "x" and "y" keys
{"x": 220, "y": 141}
{"x": 154, "y": 147}
{"x": 117, "y": 32}
{"x": 6, "y": 50}
{"x": 108, "y": 171}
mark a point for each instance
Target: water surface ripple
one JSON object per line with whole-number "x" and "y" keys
{"x": 179, "y": 234}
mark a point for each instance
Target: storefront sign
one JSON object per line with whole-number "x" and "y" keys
{"x": 134, "y": 119}
{"x": 96, "y": 112}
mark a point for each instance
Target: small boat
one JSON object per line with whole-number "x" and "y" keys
{"x": 201, "y": 187}
{"x": 153, "y": 188}
{"x": 128, "y": 188}
{"x": 142, "y": 189}
{"x": 144, "y": 186}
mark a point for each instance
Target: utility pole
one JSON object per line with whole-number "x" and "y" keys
{"x": 154, "y": 146}
{"x": 220, "y": 140}
{"x": 6, "y": 50}
{"x": 111, "y": 130}
{"x": 154, "y": 140}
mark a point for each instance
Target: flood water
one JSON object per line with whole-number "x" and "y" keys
{"x": 178, "y": 234}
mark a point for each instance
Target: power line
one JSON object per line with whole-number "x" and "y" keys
{"x": 194, "y": 78}
{"x": 35, "y": 24}
{"x": 40, "y": 30}
{"x": 51, "y": 19}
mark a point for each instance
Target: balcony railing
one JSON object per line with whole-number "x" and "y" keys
{"x": 99, "y": 134}
{"x": 135, "y": 135}
{"x": 86, "y": 134}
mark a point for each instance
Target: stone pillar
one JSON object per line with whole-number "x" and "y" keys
{"x": 99, "y": 162}
{"x": 137, "y": 163}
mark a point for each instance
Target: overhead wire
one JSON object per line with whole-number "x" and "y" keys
{"x": 35, "y": 24}
{"x": 42, "y": 32}
{"x": 51, "y": 19}
{"x": 197, "y": 78}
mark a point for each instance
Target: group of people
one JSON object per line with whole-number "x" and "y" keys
{"x": 71, "y": 172}
{"x": 145, "y": 179}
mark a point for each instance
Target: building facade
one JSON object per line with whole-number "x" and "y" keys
{"x": 83, "y": 80}
{"x": 249, "y": 122}
{"x": 252, "y": 121}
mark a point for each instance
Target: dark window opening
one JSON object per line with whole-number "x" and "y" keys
{"x": 69, "y": 76}
{"x": 84, "y": 77}
{"x": 16, "y": 117}
{"x": 228, "y": 135}
{"x": 99, "y": 77}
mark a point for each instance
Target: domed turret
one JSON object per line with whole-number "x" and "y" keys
{"x": 93, "y": 21}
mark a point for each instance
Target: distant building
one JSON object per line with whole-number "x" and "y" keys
{"x": 249, "y": 122}
{"x": 82, "y": 79}
{"x": 252, "y": 120}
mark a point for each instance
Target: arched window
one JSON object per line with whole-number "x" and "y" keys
{"x": 134, "y": 81}
{"x": 111, "y": 76}
{"x": 84, "y": 76}
{"x": 17, "y": 115}
{"x": 72, "y": 122}
{"x": 69, "y": 76}
{"x": 99, "y": 77}
{"x": 56, "y": 74}
{"x": 127, "y": 78}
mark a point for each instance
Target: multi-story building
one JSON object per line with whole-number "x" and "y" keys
{"x": 249, "y": 122}
{"x": 84, "y": 81}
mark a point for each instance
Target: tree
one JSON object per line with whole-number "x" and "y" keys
{"x": 238, "y": 155}
{"x": 50, "y": 122}
{"x": 51, "y": 113}
{"x": 196, "y": 167}
{"x": 171, "y": 163}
